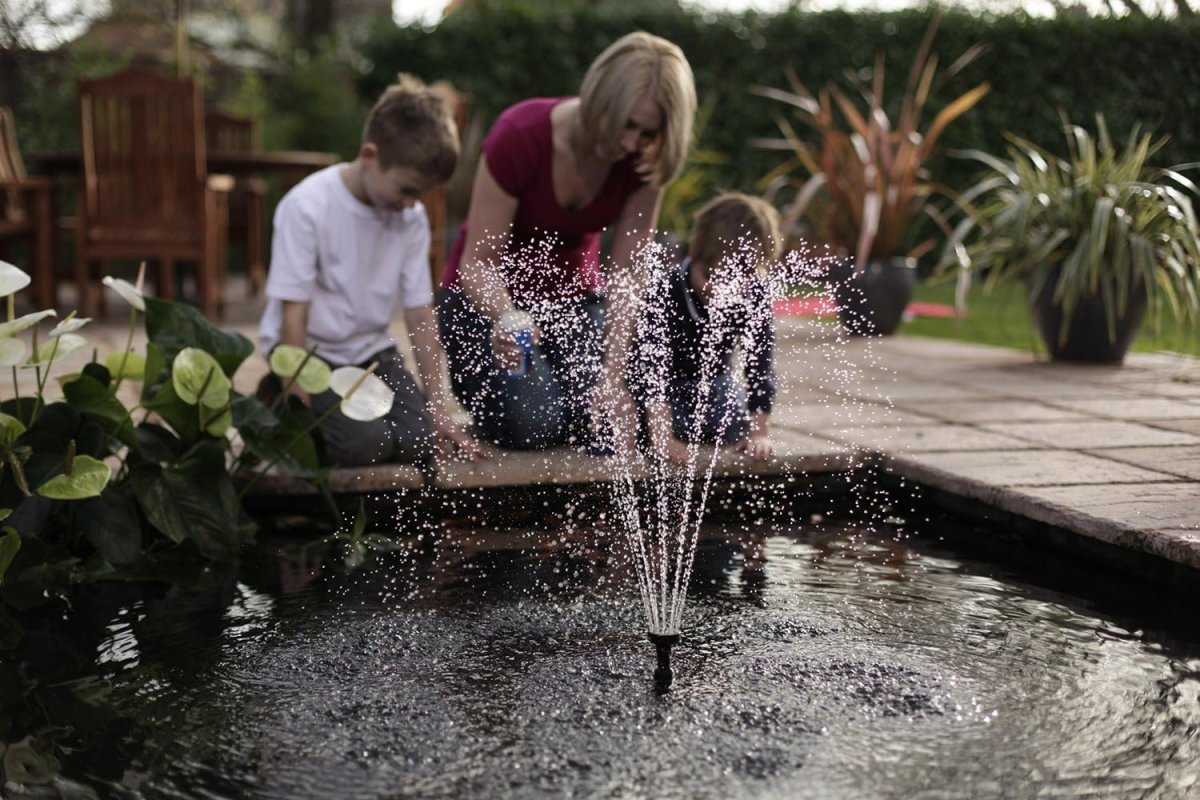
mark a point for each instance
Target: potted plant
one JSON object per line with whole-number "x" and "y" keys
{"x": 864, "y": 181}
{"x": 1099, "y": 237}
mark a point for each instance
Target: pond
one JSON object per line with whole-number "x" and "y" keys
{"x": 818, "y": 660}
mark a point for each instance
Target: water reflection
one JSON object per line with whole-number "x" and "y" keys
{"x": 818, "y": 661}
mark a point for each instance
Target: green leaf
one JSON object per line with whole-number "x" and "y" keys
{"x": 294, "y": 363}
{"x": 97, "y": 372}
{"x": 110, "y": 523}
{"x": 94, "y": 400}
{"x": 133, "y": 364}
{"x": 192, "y": 501}
{"x": 88, "y": 478}
{"x": 10, "y": 429}
{"x": 157, "y": 444}
{"x": 172, "y": 327}
{"x": 181, "y": 416}
{"x": 215, "y": 421}
{"x": 198, "y": 378}
{"x": 290, "y": 437}
{"x": 10, "y": 543}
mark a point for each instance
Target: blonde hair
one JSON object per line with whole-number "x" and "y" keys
{"x": 635, "y": 66}
{"x": 736, "y": 224}
{"x": 411, "y": 126}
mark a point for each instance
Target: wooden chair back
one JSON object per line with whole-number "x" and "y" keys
{"x": 143, "y": 155}
{"x": 27, "y": 211}
{"x": 225, "y": 131}
{"x": 12, "y": 170}
{"x": 435, "y": 199}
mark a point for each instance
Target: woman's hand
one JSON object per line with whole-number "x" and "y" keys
{"x": 505, "y": 349}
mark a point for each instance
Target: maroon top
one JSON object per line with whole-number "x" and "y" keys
{"x": 552, "y": 252}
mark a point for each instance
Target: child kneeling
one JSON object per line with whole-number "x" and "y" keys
{"x": 695, "y": 315}
{"x": 351, "y": 244}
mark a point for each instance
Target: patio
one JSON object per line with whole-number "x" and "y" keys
{"x": 1109, "y": 453}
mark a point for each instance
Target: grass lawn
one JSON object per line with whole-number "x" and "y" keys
{"x": 1001, "y": 318}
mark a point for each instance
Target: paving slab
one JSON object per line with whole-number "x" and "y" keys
{"x": 1182, "y": 425}
{"x": 990, "y": 411}
{"x": 1182, "y": 461}
{"x": 1134, "y": 408}
{"x": 843, "y": 414}
{"x": 1137, "y": 506}
{"x": 927, "y": 438}
{"x": 1033, "y": 468}
{"x": 1090, "y": 434}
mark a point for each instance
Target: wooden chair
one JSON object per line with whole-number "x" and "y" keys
{"x": 27, "y": 212}
{"x": 225, "y": 131}
{"x": 145, "y": 193}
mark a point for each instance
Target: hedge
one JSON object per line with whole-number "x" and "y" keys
{"x": 1133, "y": 70}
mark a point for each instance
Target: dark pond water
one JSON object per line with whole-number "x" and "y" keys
{"x": 817, "y": 662}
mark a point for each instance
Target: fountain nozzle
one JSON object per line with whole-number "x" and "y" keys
{"x": 663, "y": 642}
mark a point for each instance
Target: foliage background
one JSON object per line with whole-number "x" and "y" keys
{"x": 1131, "y": 69}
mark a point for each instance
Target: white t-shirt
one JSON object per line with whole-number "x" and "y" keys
{"x": 352, "y": 264}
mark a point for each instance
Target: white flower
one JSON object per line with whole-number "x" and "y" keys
{"x": 13, "y": 327}
{"x": 12, "y": 279}
{"x": 127, "y": 290}
{"x": 69, "y": 325}
{"x": 365, "y": 397}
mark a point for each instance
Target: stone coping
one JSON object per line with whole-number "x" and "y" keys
{"x": 1109, "y": 453}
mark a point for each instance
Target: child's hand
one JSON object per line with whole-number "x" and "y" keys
{"x": 757, "y": 448}
{"x": 675, "y": 451}
{"x": 459, "y": 442}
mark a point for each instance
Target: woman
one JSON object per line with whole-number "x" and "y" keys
{"x": 555, "y": 173}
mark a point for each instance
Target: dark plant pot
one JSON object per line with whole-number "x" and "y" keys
{"x": 873, "y": 303}
{"x": 1086, "y": 337}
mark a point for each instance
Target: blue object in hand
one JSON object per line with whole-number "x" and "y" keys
{"x": 519, "y": 325}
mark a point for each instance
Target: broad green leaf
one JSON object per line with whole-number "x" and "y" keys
{"x": 12, "y": 279}
{"x": 157, "y": 444}
{"x": 13, "y": 327}
{"x": 10, "y": 429}
{"x": 127, "y": 291}
{"x": 198, "y": 378}
{"x": 176, "y": 412}
{"x": 93, "y": 399}
{"x": 126, "y": 365}
{"x": 194, "y": 500}
{"x": 215, "y": 421}
{"x": 10, "y": 543}
{"x": 88, "y": 478}
{"x": 171, "y": 327}
{"x": 365, "y": 397}
{"x": 313, "y": 376}
{"x": 12, "y": 352}
{"x": 110, "y": 524}
{"x": 55, "y": 349}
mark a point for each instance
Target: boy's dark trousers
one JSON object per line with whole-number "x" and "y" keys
{"x": 402, "y": 436}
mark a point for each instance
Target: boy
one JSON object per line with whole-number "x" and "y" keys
{"x": 695, "y": 315}
{"x": 351, "y": 242}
